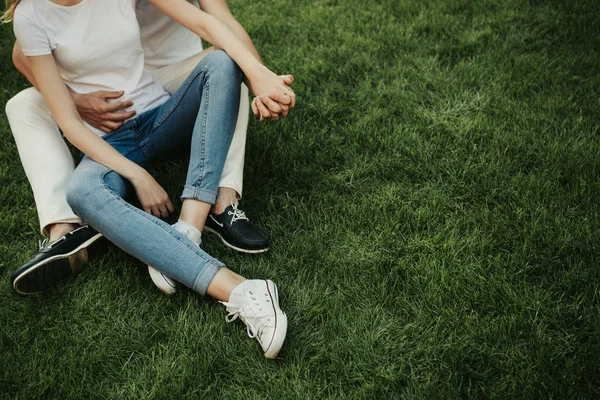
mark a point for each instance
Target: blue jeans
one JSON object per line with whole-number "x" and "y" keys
{"x": 201, "y": 116}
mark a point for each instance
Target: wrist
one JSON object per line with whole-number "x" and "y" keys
{"x": 255, "y": 72}
{"x": 133, "y": 173}
{"x": 255, "y": 78}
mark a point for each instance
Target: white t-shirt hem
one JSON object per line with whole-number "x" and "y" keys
{"x": 34, "y": 53}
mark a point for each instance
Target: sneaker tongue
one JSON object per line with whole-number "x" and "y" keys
{"x": 239, "y": 294}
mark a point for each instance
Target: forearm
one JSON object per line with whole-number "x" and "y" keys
{"x": 212, "y": 30}
{"x": 241, "y": 33}
{"x": 97, "y": 149}
{"x": 220, "y": 10}
{"x": 62, "y": 107}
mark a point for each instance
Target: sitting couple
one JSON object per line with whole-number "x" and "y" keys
{"x": 117, "y": 57}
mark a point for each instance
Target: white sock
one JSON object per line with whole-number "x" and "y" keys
{"x": 189, "y": 230}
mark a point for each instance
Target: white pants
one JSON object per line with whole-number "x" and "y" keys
{"x": 48, "y": 163}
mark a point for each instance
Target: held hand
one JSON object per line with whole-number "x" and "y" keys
{"x": 274, "y": 96}
{"x": 269, "y": 109}
{"x": 96, "y": 111}
{"x": 288, "y": 79}
{"x": 266, "y": 107}
{"x": 287, "y": 99}
{"x": 152, "y": 196}
{"x": 275, "y": 102}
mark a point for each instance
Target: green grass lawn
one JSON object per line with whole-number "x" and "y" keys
{"x": 433, "y": 205}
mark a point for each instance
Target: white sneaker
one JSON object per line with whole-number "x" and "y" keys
{"x": 256, "y": 303}
{"x": 166, "y": 284}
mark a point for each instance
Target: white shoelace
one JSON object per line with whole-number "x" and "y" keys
{"x": 42, "y": 243}
{"x": 47, "y": 241}
{"x": 50, "y": 244}
{"x": 253, "y": 309}
{"x": 237, "y": 213}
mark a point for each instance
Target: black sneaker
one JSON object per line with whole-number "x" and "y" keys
{"x": 55, "y": 261}
{"x": 236, "y": 231}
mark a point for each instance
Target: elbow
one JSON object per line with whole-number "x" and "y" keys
{"x": 193, "y": 18}
{"x": 70, "y": 128}
{"x": 201, "y": 26}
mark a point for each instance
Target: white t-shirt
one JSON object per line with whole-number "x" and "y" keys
{"x": 96, "y": 45}
{"x": 164, "y": 41}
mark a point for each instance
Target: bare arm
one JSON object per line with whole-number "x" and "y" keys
{"x": 221, "y": 11}
{"x": 265, "y": 106}
{"x": 62, "y": 107}
{"x": 261, "y": 80}
{"x": 22, "y": 64}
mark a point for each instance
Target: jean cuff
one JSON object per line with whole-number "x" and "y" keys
{"x": 206, "y": 276}
{"x": 193, "y": 192}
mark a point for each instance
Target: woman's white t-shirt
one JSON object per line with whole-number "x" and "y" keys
{"x": 96, "y": 45}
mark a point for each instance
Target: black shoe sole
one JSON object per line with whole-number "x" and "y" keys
{"x": 47, "y": 273}
{"x": 247, "y": 251}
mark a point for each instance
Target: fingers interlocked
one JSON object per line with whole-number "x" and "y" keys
{"x": 276, "y": 103}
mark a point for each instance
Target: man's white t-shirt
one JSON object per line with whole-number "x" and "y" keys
{"x": 96, "y": 45}
{"x": 164, "y": 41}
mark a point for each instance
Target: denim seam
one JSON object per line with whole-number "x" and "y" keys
{"x": 198, "y": 181}
{"x": 176, "y": 103}
{"x": 143, "y": 144}
{"x": 133, "y": 133}
{"x": 128, "y": 152}
{"x": 143, "y": 213}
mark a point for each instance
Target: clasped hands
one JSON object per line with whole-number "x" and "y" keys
{"x": 276, "y": 101}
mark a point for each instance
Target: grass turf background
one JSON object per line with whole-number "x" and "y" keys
{"x": 433, "y": 207}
